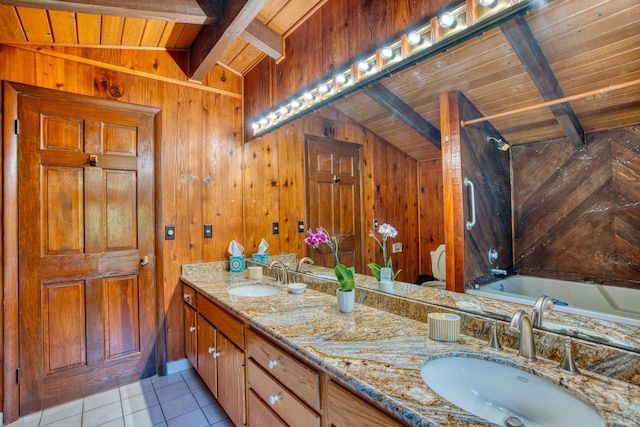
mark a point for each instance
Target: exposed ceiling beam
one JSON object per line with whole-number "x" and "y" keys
{"x": 264, "y": 38}
{"x": 396, "y": 106}
{"x": 526, "y": 46}
{"x": 213, "y": 40}
{"x": 187, "y": 11}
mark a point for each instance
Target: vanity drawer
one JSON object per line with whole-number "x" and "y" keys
{"x": 228, "y": 325}
{"x": 189, "y": 295}
{"x": 294, "y": 375}
{"x": 281, "y": 401}
{"x": 260, "y": 415}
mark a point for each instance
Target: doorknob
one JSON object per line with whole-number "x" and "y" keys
{"x": 336, "y": 178}
{"x": 144, "y": 260}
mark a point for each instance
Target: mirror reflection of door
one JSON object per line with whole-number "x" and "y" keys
{"x": 86, "y": 268}
{"x": 333, "y": 198}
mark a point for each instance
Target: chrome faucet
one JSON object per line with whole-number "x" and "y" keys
{"x": 302, "y": 262}
{"x": 538, "y": 310}
{"x": 285, "y": 271}
{"x": 498, "y": 272}
{"x": 521, "y": 324}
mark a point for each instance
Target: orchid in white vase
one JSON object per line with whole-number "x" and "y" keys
{"x": 344, "y": 274}
{"x": 385, "y": 231}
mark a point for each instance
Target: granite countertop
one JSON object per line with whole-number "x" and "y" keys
{"x": 379, "y": 355}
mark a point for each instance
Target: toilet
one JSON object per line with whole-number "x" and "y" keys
{"x": 439, "y": 268}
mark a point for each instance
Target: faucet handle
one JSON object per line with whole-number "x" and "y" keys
{"x": 568, "y": 365}
{"x": 494, "y": 342}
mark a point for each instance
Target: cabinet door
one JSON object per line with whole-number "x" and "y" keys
{"x": 207, "y": 355}
{"x": 190, "y": 335}
{"x": 346, "y": 409}
{"x": 231, "y": 380}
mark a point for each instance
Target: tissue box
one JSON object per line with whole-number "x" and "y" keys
{"x": 236, "y": 263}
{"x": 261, "y": 258}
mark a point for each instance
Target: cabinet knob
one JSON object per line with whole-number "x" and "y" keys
{"x": 212, "y": 349}
{"x": 187, "y": 296}
{"x": 216, "y": 354}
{"x": 272, "y": 364}
{"x": 273, "y": 399}
{"x": 192, "y": 328}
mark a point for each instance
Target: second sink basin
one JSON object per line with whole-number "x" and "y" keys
{"x": 253, "y": 290}
{"x": 505, "y": 395}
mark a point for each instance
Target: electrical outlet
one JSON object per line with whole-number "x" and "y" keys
{"x": 275, "y": 228}
{"x": 169, "y": 232}
{"x": 397, "y": 247}
{"x": 208, "y": 231}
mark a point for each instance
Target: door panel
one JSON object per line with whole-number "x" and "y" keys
{"x": 333, "y": 198}
{"x": 87, "y": 307}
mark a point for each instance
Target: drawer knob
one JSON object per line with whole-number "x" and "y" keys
{"x": 272, "y": 364}
{"x": 273, "y": 399}
{"x": 216, "y": 354}
{"x": 187, "y": 296}
{"x": 212, "y": 349}
{"x": 192, "y": 329}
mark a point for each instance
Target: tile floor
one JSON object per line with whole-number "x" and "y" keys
{"x": 176, "y": 400}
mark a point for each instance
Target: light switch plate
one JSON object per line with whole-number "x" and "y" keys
{"x": 208, "y": 231}
{"x": 397, "y": 247}
{"x": 169, "y": 232}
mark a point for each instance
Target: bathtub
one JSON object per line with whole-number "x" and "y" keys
{"x": 611, "y": 303}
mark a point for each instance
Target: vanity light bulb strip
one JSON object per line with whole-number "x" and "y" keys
{"x": 410, "y": 43}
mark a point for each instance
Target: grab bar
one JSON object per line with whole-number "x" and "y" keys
{"x": 472, "y": 201}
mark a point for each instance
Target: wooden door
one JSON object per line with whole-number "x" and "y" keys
{"x": 333, "y": 198}
{"x": 86, "y": 248}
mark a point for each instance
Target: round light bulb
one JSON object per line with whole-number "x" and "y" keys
{"x": 488, "y": 3}
{"x": 447, "y": 20}
{"x": 341, "y": 79}
{"x": 255, "y": 126}
{"x": 307, "y": 96}
{"x": 295, "y": 104}
{"x": 323, "y": 89}
{"x": 363, "y": 66}
{"x": 273, "y": 116}
{"x": 414, "y": 38}
{"x": 386, "y": 52}
{"x": 263, "y": 122}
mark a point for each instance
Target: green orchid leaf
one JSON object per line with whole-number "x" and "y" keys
{"x": 375, "y": 270}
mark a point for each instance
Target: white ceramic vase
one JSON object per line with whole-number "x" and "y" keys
{"x": 346, "y": 300}
{"x": 385, "y": 274}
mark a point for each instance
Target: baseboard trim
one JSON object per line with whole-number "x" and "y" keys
{"x": 178, "y": 365}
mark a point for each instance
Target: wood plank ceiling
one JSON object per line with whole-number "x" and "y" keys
{"x": 564, "y": 48}
{"x": 255, "y": 27}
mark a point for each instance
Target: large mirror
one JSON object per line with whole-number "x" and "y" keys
{"x": 573, "y": 201}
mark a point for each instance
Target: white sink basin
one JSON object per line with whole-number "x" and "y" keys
{"x": 496, "y": 392}
{"x": 253, "y": 290}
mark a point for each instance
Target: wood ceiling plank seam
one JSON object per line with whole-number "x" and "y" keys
{"x": 295, "y": 19}
{"x": 188, "y": 35}
{"x": 89, "y": 28}
{"x": 132, "y": 31}
{"x": 620, "y": 58}
{"x": 35, "y": 23}
{"x": 153, "y": 31}
{"x": 557, "y": 14}
{"x": 10, "y": 25}
{"x": 63, "y": 26}
{"x": 111, "y": 32}
{"x": 271, "y": 9}
{"x": 171, "y": 34}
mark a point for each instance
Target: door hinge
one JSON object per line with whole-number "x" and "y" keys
{"x": 16, "y": 127}
{"x": 18, "y": 376}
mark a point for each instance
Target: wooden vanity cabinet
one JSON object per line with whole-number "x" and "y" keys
{"x": 345, "y": 409}
{"x": 282, "y": 390}
{"x": 190, "y": 325}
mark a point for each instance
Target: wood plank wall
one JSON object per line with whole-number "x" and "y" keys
{"x": 275, "y": 188}
{"x": 431, "y": 210}
{"x": 330, "y": 39}
{"x": 577, "y": 213}
{"x": 201, "y": 156}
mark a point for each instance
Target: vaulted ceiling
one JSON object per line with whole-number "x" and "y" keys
{"x": 234, "y": 33}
